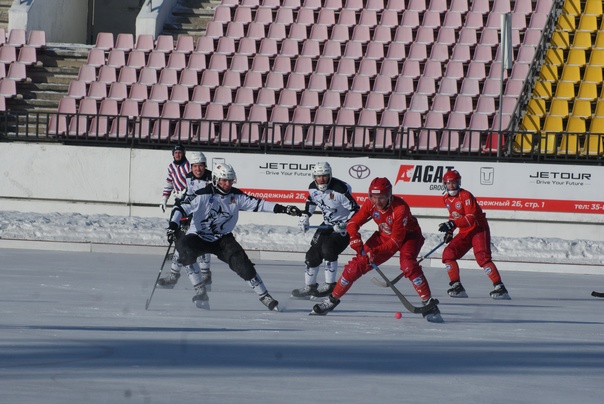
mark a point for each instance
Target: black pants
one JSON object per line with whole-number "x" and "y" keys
{"x": 325, "y": 246}
{"x": 227, "y": 249}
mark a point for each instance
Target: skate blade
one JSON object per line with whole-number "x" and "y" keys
{"x": 301, "y": 297}
{"x": 202, "y": 304}
{"x": 435, "y": 319}
{"x": 459, "y": 295}
{"x": 502, "y": 297}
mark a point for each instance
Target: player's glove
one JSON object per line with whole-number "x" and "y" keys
{"x": 172, "y": 232}
{"x": 303, "y": 223}
{"x": 370, "y": 255}
{"x": 164, "y": 203}
{"x": 340, "y": 228}
{"x": 357, "y": 245}
{"x": 448, "y": 237}
{"x": 289, "y": 209}
{"x": 447, "y": 226}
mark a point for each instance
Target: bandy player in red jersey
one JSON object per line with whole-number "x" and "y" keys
{"x": 398, "y": 231}
{"x": 466, "y": 215}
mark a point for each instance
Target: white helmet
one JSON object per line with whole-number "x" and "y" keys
{"x": 197, "y": 158}
{"x": 322, "y": 168}
{"x": 223, "y": 170}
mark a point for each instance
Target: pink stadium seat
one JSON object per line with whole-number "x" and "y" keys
{"x": 282, "y": 64}
{"x": 104, "y": 40}
{"x": 285, "y": 16}
{"x": 353, "y": 100}
{"x": 8, "y": 54}
{"x": 150, "y": 112}
{"x": 470, "y": 87}
{"x": 253, "y": 80}
{"x": 222, "y": 13}
{"x": 447, "y": 36}
{"x": 295, "y": 134}
{"x": 298, "y": 32}
{"x": 441, "y": 103}
{"x": 405, "y": 85}
{"x": 177, "y": 61}
{"x": 218, "y": 62}
{"x": 156, "y": 60}
{"x": 268, "y": 47}
{"x": 325, "y": 66}
{"x": 57, "y": 124}
{"x": 296, "y": 81}
{"x": 410, "y": 19}
{"x": 107, "y": 74}
{"x": 340, "y": 33}
{"x": 274, "y": 81}
{"x": 147, "y": 76}
{"x": 116, "y": 58}
{"x": 382, "y": 34}
{"x": 306, "y": 17}
{"x": 339, "y": 134}
{"x": 288, "y": 98}
{"x": 450, "y": 141}
{"x": 433, "y": 69}
{"x": 389, "y": 68}
{"x": 304, "y": 65}
{"x": 255, "y": 31}
{"x": 201, "y": 95}
{"x": 468, "y": 36}
{"x": 17, "y": 72}
{"x": 411, "y": 68}
{"x": 266, "y": 97}
{"x": 164, "y": 126}
{"x": 97, "y": 90}
{"x": 137, "y": 59}
{"x": 339, "y": 83}
{"x": 214, "y": 30}
{"x": 100, "y": 124}
{"x": 222, "y": 96}
{"x": 461, "y": 53}
{"x": 368, "y": 18}
{"x": 230, "y": 130}
{"x": 138, "y": 92}
{"x": 244, "y": 96}
{"x": 179, "y": 94}
{"x": 486, "y": 105}
{"x": 418, "y": 51}
{"x": 187, "y": 128}
{"x": 124, "y": 42}
{"x": 78, "y": 125}
{"x": 37, "y": 39}
{"x": 361, "y": 84}
{"x": 448, "y": 86}
{"x": 375, "y": 101}
{"x": 235, "y": 30}
{"x": 431, "y": 19}
{"x": 463, "y": 104}
{"x": 332, "y": 49}
{"x": 427, "y": 138}
{"x": 264, "y": 15}
{"x": 382, "y": 84}
{"x": 331, "y": 100}
{"x": 231, "y": 79}
{"x": 309, "y": 99}
{"x": 96, "y": 57}
{"x": 318, "y": 133}
{"x": 76, "y": 89}
{"x": 277, "y": 31}
{"x": 318, "y": 82}
{"x": 362, "y": 134}
{"x": 319, "y": 32}
{"x": 419, "y": 103}
{"x": 360, "y": 33}
{"x": 279, "y": 119}
{"x": 207, "y": 132}
{"x": 368, "y": 67}
{"x": 128, "y": 75}
{"x": 253, "y": 131}
{"x": 122, "y": 126}
{"x": 144, "y": 43}
{"x": 404, "y": 35}
{"x": 347, "y": 67}
{"x": 159, "y": 93}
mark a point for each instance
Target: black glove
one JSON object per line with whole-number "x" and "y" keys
{"x": 172, "y": 232}
{"x": 289, "y": 209}
{"x": 447, "y": 226}
{"x": 448, "y": 237}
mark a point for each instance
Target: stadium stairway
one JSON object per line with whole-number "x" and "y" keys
{"x": 4, "y": 7}
{"x": 190, "y": 17}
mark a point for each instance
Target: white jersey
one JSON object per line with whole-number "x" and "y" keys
{"x": 336, "y": 202}
{"x": 215, "y": 215}
{"x": 194, "y": 184}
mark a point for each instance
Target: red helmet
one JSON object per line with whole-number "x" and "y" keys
{"x": 454, "y": 176}
{"x": 380, "y": 186}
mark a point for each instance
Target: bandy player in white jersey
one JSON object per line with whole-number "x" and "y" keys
{"x": 334, "y": 199}
{"x": 199, "y": 177}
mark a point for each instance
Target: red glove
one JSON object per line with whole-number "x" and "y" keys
{"x": 357, "y": 245}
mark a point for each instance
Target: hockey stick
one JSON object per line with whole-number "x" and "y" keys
{"x": 402, "y": 275}
{"x": 402, "y": 298}
{"x": 158, "y": 275}
{"x": 320, "y": 227}
{"x": 597, "y": 294}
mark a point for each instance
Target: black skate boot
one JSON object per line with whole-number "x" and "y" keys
{"x": 457, "y": 290}
{"x": 206, "y": 279}
{"x": 269, "y": 302}
{"x": 432, "y": 315}
{"x": 500, "y": 292}
{"x": 169, "y": 281}
{"x": 323, "y": 291}
{"x": 305, "y": 293}
{"x": 201, "y": 298}
{"x": 325, "y": 307}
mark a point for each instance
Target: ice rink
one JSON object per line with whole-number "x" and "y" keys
{"x": 74, "y": 329}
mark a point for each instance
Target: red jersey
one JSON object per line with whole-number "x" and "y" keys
{"x": 465, "y": 211}
{"x": 394, "y": 223}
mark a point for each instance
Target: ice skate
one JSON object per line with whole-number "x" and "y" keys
{"x": 305, "y": 293}
{"x": 325, "y": 307}
{"x": 206, "y": 279}
{"x": 432, "y": 316}
{"x": 169, "y": 281}
{"x": 323, "y": 291}
{"x": 201, "y": 298}
{"x": 500, "y": 292}
{"x": 457, "y": 290}
{"x": 269, "y": 302}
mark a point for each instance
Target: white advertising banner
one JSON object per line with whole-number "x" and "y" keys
{"x": 497, "y": 186}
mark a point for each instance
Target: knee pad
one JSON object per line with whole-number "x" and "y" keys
{"x": 313, "y": 259}
{"x": 482, "y": 258}
{"x": 448, "y": 255}
{"x": 355, "y": 269}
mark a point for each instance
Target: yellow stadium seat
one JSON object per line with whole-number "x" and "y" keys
{"x": 581, "y": 109}
{"x": 571, "y": 73}
{"x": 588, "y": 23}
{"x": 572, "y": 7}
{"x": 593, "y": 7}
{"x": 582, "y": 40}
{"x": 594, "y": 141}
{"x": 569, "y": 143}
{"x": 555, "y": 56}
{"x": 536, "y": 106}
{"x": 567, "y": 23}
{"x": 596, "y": 57}
{"x": 543, "y": 89}
{"x": 558, "y": 107}
{"x": 587, "y": 91}
{"x": 551, "y": 127}
{"x": 531, "y": 123}
{"x": 549, "y": 72}
{"x": 599, "y": 110}
{"x": 523, "y": 142}
{"x": 576, "y": 57}
{"x": 593, "y": 74}
{"x": 599, "y": 42}
{"x": 560, "y": 39}
{"x": 565, "y": 90}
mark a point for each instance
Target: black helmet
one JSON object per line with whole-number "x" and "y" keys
{"x": 180, "y": 147}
